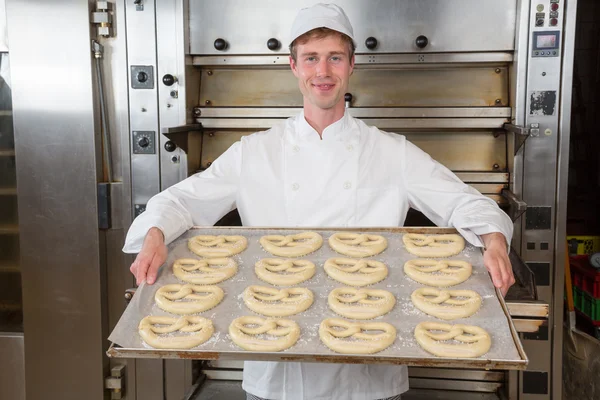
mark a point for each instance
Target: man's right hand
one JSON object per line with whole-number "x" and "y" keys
{"x": 151, "y": 257}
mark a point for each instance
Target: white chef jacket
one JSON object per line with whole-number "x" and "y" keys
{"x": 355, "y": 176}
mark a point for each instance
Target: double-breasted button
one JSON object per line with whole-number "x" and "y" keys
{"x": 295, "y": 186}
{"x": 347, "y": 185}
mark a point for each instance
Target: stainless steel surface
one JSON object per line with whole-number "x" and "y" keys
{"x": 451, "y": 25}
{"x": 381, "y": 123}
{"x": 63, "y": 318}
{"x": 504, "y": 354}
{"x": 358, "y": 112}
{"x": 361, "y": 59}
{"x": 143, "y": 103}
{"x": 564, "y": 124}
{"x": 12, "y": 379}
{"x": 170, "y": 47}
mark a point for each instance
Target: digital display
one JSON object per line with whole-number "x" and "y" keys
{"x": 546, "y": 42}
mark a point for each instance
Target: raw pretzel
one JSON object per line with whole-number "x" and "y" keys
{"x": 475, "y": 341}
{"x": 277, "y": 302}
{"x": 338, "y": 335}
{"x": 446, "y": 305}
{"x": 281, "y": 272}
{"x": 361, "y": 303}
{"x": 357, "y": 244}
{"x": 210, "y": 246}
{"x": 296, "y": 245}
{"x": 286, "y": 332}
{"x": 204, "y": 272}
{"x": 438, "y": 273}
{"x": 356, "y": 272}
{"x": 188, "y": 299}
{"x": 433, "y": 245}
{"x": 197, "y": 329}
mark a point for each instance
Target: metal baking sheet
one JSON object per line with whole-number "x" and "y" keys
{"x": 506, "y": 351}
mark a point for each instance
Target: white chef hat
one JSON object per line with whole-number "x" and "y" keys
{"x": 321, "y": 16}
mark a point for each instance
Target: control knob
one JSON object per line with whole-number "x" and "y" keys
{"x": 422, "y": 41}
{"x": 273, "y": 44}
{"x": 220, "y": 44}
{"x": 371, "y": 43}
{"x": 143, "y": 142}
{"x": 169, "y": 79}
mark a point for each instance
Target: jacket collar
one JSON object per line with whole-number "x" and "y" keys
{"x": 340, "y": 131}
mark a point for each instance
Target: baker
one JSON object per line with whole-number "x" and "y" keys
{"x": 322, "y": 168}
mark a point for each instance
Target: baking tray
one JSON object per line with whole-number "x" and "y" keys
{"x": 506, "y": 352}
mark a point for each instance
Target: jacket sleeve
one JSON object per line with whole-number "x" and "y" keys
{"x": 435, "y": 191}
{"x": 201, "y": 199}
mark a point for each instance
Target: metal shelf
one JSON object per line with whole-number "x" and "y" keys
{"x": 11, "y": 191}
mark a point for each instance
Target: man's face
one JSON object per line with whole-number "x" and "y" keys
{"x": 323, "y": 68}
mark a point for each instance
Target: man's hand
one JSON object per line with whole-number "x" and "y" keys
{"x": 495, "y": 259}
{"x": 151, "y": 257}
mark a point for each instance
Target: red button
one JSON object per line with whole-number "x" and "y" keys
{"x": 553, "y": 21}
{"x": 554, "y": 6}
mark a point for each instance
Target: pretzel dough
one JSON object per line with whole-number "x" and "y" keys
{"x": 446, "y": 303}
{"x": 337, "y": 334}
{"x": 197, "y": 329}
{"x": 357, "y": 244}
{"x": 356, "y": 272}
{"x": 279, "y": 272}
{"x": 286, "y": 333}
{"x": 360, "y": 303}
{"x": 296, "y": 245}
{"x": 188, "y": 299}
{"x": 210, "y": 246}
{"x": 204, "y": 272}
{"x": 277, "y": 302}
{"x": 475, "y": 341}
{"x": 433, "y": 245}
{"x": 450, "y": 272}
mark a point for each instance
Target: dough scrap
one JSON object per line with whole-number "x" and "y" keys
{"x": 286, "y": 333}
{"x": 433, "y": 245}
{"x": 441, "y": 273}
{"x": 356, "y": 272}
{"x": 357, "y": 244}
{"x": 188, "y": 299}
{"x": 204, "y": 272}
{"x": 282, "y": 272}
{"x": 296, "y": 245}
{"x": 211, "y": 246}
{"x": 446, "y": 304}
{"x": 197, "y": 330}
{"x": 360, "y": 303}
{"x": 474, "y": 341}
{"x": 277, "y": 302}
{"x": 348, "y": 337}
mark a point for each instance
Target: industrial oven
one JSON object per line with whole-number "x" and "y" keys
{"x": 115, "y": 101}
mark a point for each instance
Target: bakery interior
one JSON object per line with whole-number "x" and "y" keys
{"x": 141, "y": 94}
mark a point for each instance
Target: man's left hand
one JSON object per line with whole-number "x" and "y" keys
{"x": 495, "y": 259}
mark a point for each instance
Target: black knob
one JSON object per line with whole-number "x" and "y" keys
{"x": 371, "y": 43}
{"x": 170, "y": 146}
{"x": 422, "y": 41}
{"x": 169, "y": 79}
{"x": 220, "y": 44}
{"x": 273, "y": 44}
{"x": 142, "y": 77}
{"x": 143, "y": 142}
{"x": 348, "y": 97}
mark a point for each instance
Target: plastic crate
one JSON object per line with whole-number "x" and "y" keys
{"x": 586, "y": 305}
{"x": 584, "y": 276}
{"x": 581, "y": 245}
